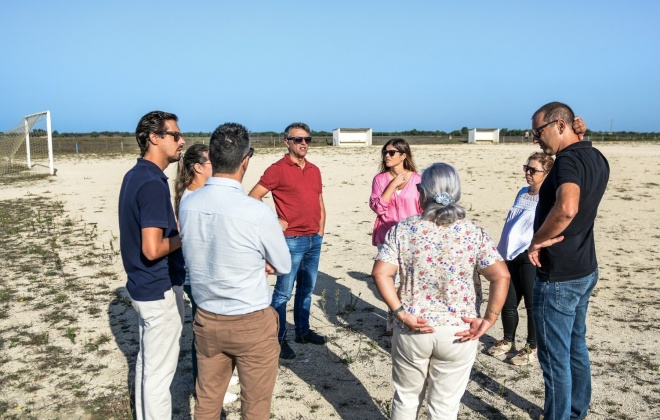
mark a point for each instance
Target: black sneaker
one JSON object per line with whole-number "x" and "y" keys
{"x": 310, "y": 337}
{"x": 286, "y": 352}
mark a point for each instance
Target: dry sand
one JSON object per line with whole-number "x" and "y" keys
{"x": 349, "y": 378}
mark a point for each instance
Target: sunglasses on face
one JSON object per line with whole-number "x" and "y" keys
{"x": 531, "y": 170}
{"x": 177, "y": 135}
{"x": 298, "y": 140}
{"x": 537, "y": 133}
{"x": 390, "y": 152}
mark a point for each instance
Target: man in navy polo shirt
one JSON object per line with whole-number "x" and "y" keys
{"x": 564, "y": 252}
{"x": 298, "y": 195}
{"x": 151, "y": 253}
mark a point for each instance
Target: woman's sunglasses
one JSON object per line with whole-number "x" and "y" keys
{"x": 390, "y": 152}
{"x": 533, "y": 171}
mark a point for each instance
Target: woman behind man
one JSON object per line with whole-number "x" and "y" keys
{"x": 437, "y": 297}
{"x": 516, "y": 237}
{"x": 193, "y": 171}
{"x": 394, "y": 195}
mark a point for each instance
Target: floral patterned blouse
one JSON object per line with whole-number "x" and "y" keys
{"x": 438, "y": 268}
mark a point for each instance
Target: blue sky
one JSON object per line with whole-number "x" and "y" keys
{"x": 388, "y": 65}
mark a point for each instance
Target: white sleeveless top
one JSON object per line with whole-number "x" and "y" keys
{"x": 519, "y": 226}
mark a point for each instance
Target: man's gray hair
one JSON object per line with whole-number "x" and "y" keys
{"x": 441, "y": 189}
{"x": 299, "y": 125}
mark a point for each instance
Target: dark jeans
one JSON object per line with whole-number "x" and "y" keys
{"x": 193, "y": 353}
{"x": 521, "y": 286}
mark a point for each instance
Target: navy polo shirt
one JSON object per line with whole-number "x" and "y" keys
{"x": 144, "y": 202}
{"x": 575, "y": 256}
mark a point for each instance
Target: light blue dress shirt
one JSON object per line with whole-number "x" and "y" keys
{"x": 227, "y": 238}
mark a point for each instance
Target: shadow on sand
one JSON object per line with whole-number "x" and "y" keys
{"x": 331, "y": 375}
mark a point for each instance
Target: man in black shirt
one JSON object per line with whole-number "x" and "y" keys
{"x": 563, "y": 249}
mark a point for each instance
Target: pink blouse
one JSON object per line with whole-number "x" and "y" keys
{"x": 401, "y": 205}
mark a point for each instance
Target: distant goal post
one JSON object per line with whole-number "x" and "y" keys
{"x": 28, "y": 145}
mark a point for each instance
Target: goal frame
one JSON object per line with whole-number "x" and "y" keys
{"x": 49, "y": 134}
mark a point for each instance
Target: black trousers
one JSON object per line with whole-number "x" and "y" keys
{"x": 523, "y": 274}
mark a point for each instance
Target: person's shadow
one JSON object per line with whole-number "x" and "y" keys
{"x": 331, "y": 376}
{"x": 490, "y": 385}
{"x": 124, "y": 326}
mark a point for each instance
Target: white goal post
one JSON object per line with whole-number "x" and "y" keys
{"x": 28, "y": 145}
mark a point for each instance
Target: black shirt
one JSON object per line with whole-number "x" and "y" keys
{"x": 575, "y": 256}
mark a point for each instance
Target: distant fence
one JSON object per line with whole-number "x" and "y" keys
{"x": 128, "y": 145}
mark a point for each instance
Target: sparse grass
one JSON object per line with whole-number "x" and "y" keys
{"x": 43, "y": 244}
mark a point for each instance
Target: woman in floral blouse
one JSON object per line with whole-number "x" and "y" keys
{"x": 436, "y": 298}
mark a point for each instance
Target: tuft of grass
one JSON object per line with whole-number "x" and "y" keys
{"x": 71, "y": 334}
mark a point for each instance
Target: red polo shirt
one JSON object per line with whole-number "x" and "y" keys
{"x": 296, "y": 193}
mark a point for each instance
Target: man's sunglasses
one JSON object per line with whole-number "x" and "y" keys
{"x": 298, "y": 140}
{"x": 177, "y": 135}
{"x": 249, "y": 153}
{"x": 533, "y": 171}
{"x": 390, "y": 152}
{"x": 537, "y": 133}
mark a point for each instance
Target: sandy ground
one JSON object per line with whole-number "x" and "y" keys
{"x": 349, "y": 378}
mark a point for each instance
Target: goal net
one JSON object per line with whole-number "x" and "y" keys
{"x": 28, "y": 146}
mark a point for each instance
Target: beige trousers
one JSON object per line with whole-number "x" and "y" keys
{"x": 436, "y": 363}
{"x": 160, "y": 326}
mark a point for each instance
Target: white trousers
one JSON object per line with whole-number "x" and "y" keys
{"x": 435, "y": 361}
{"x": 160, "y": 325}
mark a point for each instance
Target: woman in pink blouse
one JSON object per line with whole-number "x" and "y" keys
{"x": 436, "y": 299}
{"x": 394, "y": 193}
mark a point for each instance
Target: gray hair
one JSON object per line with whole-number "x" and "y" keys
{"x": 299, "y": 125}
{"x": 440, "y": 189}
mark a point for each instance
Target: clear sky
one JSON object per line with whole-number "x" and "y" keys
{"x": 388, "y": 65}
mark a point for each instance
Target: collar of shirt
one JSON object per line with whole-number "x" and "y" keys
{"x": 224, "y": 182}
{"x": 290, "y": 162}
{"x": 583, "y": 144}
{"x": 152, "y": 167}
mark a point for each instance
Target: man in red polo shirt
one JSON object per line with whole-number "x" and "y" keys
{"x": 298, "y": 195}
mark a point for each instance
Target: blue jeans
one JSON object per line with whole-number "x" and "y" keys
{"x": 305, "y": 254}
{"x": 560, "y": 312}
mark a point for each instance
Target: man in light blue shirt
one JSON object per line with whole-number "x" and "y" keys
{"x": 230, "y": 243}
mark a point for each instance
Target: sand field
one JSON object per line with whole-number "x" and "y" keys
{"x": 349, "y": 378}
